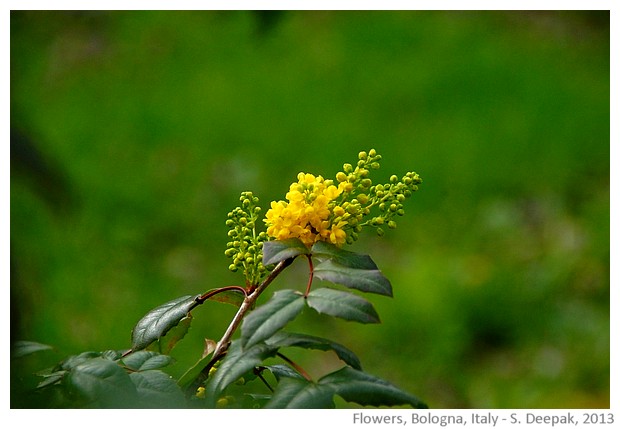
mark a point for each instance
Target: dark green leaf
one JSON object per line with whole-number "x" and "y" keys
{"x": 111, "y": 354}
{"x": 73, "y": 361}
{"x": 342, "y": 304}
{"x": 52, "y": 378}
{"x": 144, "y": 360}
{"x": 364, "y": 389}
{"x": 279, "y": 250}
{"x": 102, "y": 383}
{"x": 362, "y": 279}
{"x": 157, "y": 322}
{"x": 24, "y": 348}
{"x": 156, "y": 389}
{"x": 285, "y": 339}
{"x": 263, "y": 322}
{"x": 237, "y": 362}
{"x": 299, "y": 393}
{"x": 323, "y": 251}
{"x": 284, "y": 371}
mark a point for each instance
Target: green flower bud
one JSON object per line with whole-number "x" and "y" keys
{"x": 380, "y": 232}
{"x": 341, "y": 177}
{"x": 391, "y": 224}
{"x": 394, "y": 178}
{"x": 372, "y": 153}
{"x": 348, "y": 168}
{"x": 233, "y": 268}
{"x": 366, "y": 183}
{"x": 362, "y": 155}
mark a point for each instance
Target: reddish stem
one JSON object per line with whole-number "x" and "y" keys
{"x": 310, "y": 276}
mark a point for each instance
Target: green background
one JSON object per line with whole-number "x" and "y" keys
{"x": 133, "y": 134}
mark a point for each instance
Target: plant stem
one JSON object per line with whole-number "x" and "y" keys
{"x": 211, "y": 293}
{"x": 310, "y": 276}
{"x": 247, "y": 305}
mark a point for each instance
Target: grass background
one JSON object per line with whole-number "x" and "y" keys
{"x": 133, "y": 133}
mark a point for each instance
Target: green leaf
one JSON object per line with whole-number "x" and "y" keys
{"x": 349, "y": 383}
{"x": 156, "y": 389}
{"x": 73, "y": 361}
{"x": 102, "y": 383}
{"x": 237, "y": 362}
{"x": 24, "y": 348}
{"x": 364, "y": 389}
{"x": 343, "y": 305}
{"x": 283, "y": 371}
{"x": 286, "y": 339}
{"x": 279, "y": 250}
{"x": 269, "y": 318}
{"x": 52, "y": 378}
{"x": 366, "y": 280}
{"x": 157, "y": 322}
{"x": 144, "y": 360}
{"x": 323, "y": 251}
{"x": 299, "y": 393}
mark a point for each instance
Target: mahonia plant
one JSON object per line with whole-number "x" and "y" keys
{"x": 319, "y": 217}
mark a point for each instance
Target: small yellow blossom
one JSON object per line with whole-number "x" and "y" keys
{"x": 200, "y": 392}
{"x": 306, "y": 213}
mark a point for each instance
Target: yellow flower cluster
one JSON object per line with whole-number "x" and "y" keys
{"x": 308, "y": 213}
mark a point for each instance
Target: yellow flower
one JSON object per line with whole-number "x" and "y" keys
{"x": 306, "y": 213}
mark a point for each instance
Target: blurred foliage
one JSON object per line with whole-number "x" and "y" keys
{"x": 133, "y": 134}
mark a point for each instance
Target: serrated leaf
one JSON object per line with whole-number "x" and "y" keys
{"x": 102, "y": 383}
{"x": 24, "y": 348}
{"x": 286, "y": 339}
{"x": 237, "y": 362}
{"x": 361, "y": 279}
{"x": 52, "y": 378}
{"x": 367, "y": 390}
{"x": 323, "y": 250}
{"x": 299, "y": 393}
{"x": 279, "y": 250}
{"x": 144, "y": 360}
{"x": 351, "y": 384}
{"x": 111, "y": 354}
{"x": 72, "y": 361}
{"x": 283, "y": 371}
{"x": 157, "y": 322}
{"x": 269, "y": 318}
{"x": 156, "y": 389}
{"x": 343, "y": 305}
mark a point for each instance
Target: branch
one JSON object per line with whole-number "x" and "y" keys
{"x": 247, "y": 305}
